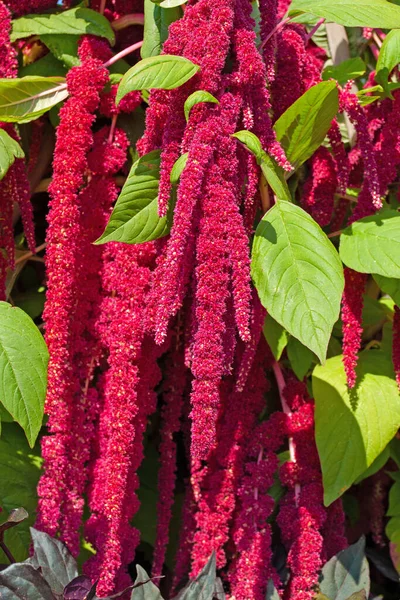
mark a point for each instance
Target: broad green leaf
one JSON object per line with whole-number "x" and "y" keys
{"x": 394, "y": 500}
{"x": 351, "y": 13}
{"x": 156, "y": 24}
{"x": 20, "y": 472}
{"x": 157, "y": 72}
{"x": 276, "y": 336}
{"x": 23, "y": 369}
{"x": 63, "y": 47}
{"x": 352, "y": 429}
{"x": 301, "y": 358}
{"x": 172, "y": 3}
{"x": 252, "y": 143}
{"x": 9, "y": 151}
{"x": 272, "y": 172}
{"x": 275, "y": 176}
{"x": 135, "y": 219}
{"x": 389, "y": 57}
{"x": 48, "y": 66}
{"x": 203, "y": 586}
{"x": 348, "y": 69}
{"x": 272, "y": 592}
{"x": 394, "y": 447}
{"x": 75, "y": 21}
{"x": 178, "y": 167}
{"x": 393, "y": 530}
{"x": 27, "y": 98}
{"x": 147, "y": 591}
{"x": 390, "y": 286}
{"x": 376, "y": 466}
{"x": 303, "y": 126}
{"x": 196, "y": 98}
{"x": 372, "y": 245}
{"x": 346, "y": 573}
{"x": 298, "y": 275}
{"x": 23, "y": 581}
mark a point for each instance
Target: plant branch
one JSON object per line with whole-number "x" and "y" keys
{"x": 275, "y": 30}
{"x": 123, "y": 53}
{"x": 127, "y": 21}
{"x": 286, "y": 409}
{"x": 7, "y": 552}
{"x": 28, "y": 255}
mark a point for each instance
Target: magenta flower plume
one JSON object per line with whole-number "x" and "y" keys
{"x": 250, "y": 571}
{"x": 352, "y": 305}
{"x": 349, "y": 103}
{"x": 302, "y": 514}
{"x": 319, "y": 189}
{"x": 220, "y": 482}
{"x": 174, "y": 387}
{"x": 74, "y": 139}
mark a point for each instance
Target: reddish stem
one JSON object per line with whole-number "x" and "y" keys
{"x": 275, "y": 30}
{"x": 314, "y": 29}
{"x": 286, "y": 409}
{"x": 127, "y": 21}
{"x": 123, "y": 53}
{"x": 112, "y": 128}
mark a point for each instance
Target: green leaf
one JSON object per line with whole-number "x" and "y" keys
{"x": 348, "y": 69}
{"x": 393, "y": 530}
{"x": 301, "y": 358}
{"x": 135, "y": 219}
{"x": 298, "y": 275}
{"x": 362, "y": 13}
{"x": 47, "y": 66}
{"x": 9, "y": 151}
{"x": 394, "y": 500}
{"x": 352, "y": 429}
{"x": 23, "y": 369}
{"x": 275, "y": 176}
{"x": 63, "y": 47}
{"x": 57, "y": 565}
{"x": 390, "y": 286}
{"x": 20, "y": 472}
{"x": 178, "y": 167}
{"x": 172, "y": 3}
{"x": 271, "y": 171}
{"x": 394, "y": 447}
{"x": 346, "y": 573}
{"x": 276, "y": 336}
{"x": 303, "y": 126}
{"x": 27, "y": 98}
{"x": 389, "y": 58}
{"x": 148, "y": 591}
{"x": 204, "y": 584}
{"x": 156, "y": 24}
{"x": 376, "y": 466}
{"x": 196, "y": 98}
{"x": 372, "y": 245}
{"x": 272, "y": 592}
{"x": 252, "y": 143}
{"x": 75, "y": 21}
{"x": 164, "y": 72}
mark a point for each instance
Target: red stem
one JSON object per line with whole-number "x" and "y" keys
{"x": 275, "y": 30}
{"x": 123, "y": 53}
{"x": 292, "y": 447}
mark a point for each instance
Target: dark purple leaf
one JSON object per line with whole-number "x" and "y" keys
{"x": 80, "y": 588}
{"x": 57, "y": 564}
{"x": 21, "y": 581}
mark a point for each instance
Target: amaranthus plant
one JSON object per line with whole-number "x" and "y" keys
{"x": 199, "y": 212}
